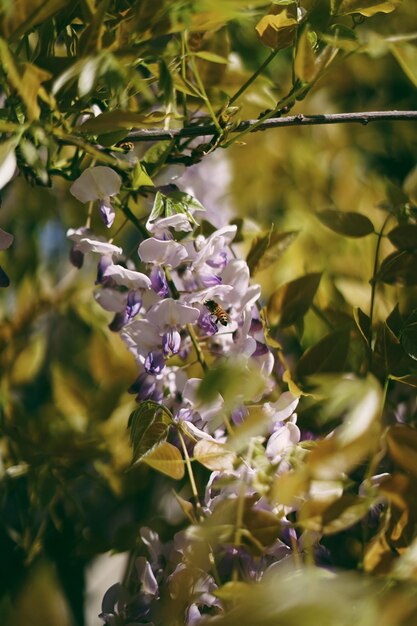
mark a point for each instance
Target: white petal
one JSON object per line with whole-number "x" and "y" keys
{"x": 128, "y": 278}
{"x": 87, "y": 244}
{"x": 111, "y": 300}
{"x": 162, "y": 252}
{"x": 171, "y": 313}
{"x": 96, "y": 183}
{"x": 179, "y": 222}
{"x": 284, "y": 407}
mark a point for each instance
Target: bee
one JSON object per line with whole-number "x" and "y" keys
{"x": 126, "y": 146}
{"x": 216, "y": 309}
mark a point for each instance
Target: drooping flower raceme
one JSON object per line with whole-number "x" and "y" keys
{"x": 190, "y": 303}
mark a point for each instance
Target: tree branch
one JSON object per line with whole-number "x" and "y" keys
{"x": 156, "y": 134}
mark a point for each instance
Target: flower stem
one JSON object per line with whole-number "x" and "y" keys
{"x": 199, "y": 352}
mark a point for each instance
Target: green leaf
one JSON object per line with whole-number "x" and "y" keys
{"x": 214, "y": 456}
{"x": 358, "y": 400}
{"x": 255, "y": 424}
{"x": 395, "y": 321}
{"x": 210, "y": 56}
{"x": 149, "y": 425}
{"x": 292, "y": 300}
{"x": 406, "y": 55}
{"x": 398, "y": 268}
{"x": 346, "y": 223}
{"x": 155, "y": 157}
{"x": 165, "y": 82}
{"x": 404, "y": 237}
{"x": 174, "y": 203}
{"x": 23, "y": 15}
{"x": 27, "y": 79}
{"x": 140, "y": 177}
{"x": 117, "y": 119}
{"x": 305, "y": 65}
{"x": 232, "y": 379}
{"x": 335, "y": 517}
{"x": 262, "y": 525}
{"x": 362, "y": 322}
{"x": 344, "y": 513}
{"x": 408, "y": 336}
{"x": 267, "y": 248}
{"x": 167, "y": 459}
{"x": 328, "y": 355}
{"x": 364, "y": 7}
{"x": 410, "y": 186}
{"x": 277, "y": 29}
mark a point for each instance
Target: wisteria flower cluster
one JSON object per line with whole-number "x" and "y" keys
{"x": 193, "y": 305}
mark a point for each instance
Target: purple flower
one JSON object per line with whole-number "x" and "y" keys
{"x": 154, "y": 362}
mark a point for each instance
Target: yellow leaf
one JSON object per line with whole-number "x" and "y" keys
{"x": 166, "y": 459}
{"x": 29, "y": 361}
{"x": 214, "y": 456}
{"x": 277, "y": 29}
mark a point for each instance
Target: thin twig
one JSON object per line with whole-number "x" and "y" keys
{"x": 365, "y": 117}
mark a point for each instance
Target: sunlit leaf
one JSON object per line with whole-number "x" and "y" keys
{"x": 292, "y": 300}
{"x": 255, "y": 424}
{"x": 289, "y": 488}
{"x": 305, "y": 59}
{"x": 91, "y": 39}
{"x": 28, "y": 362}
{"x": 365, "y": 7}
{"x": 167, "y": 459}
{"x": 210, "y": 56}
{"x": 234, "y": 379}
{"x": 402, "y": 447}
{"x": 277, "y": 29}
{"x": 291, "y": 596}
{"x": 344, "y": 512}
{"x": 117, "y": 119}
{"x": 27, "y": 79}
{"x": 359, "y": 402}
{"x": 268, "y": 248}
{"x": 213, "y": 455}
{"x": 346, "y": 223}
{"x": 140, "y": 177}
{"x": 406, "y": 55}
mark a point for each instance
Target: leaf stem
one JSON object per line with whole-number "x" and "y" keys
{"x": 252, "y": 78}
{"x": 193, "y": 484}
{"x": 374, "y": 283}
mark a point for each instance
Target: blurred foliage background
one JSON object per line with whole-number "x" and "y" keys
{"x": 66, "y": 494}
